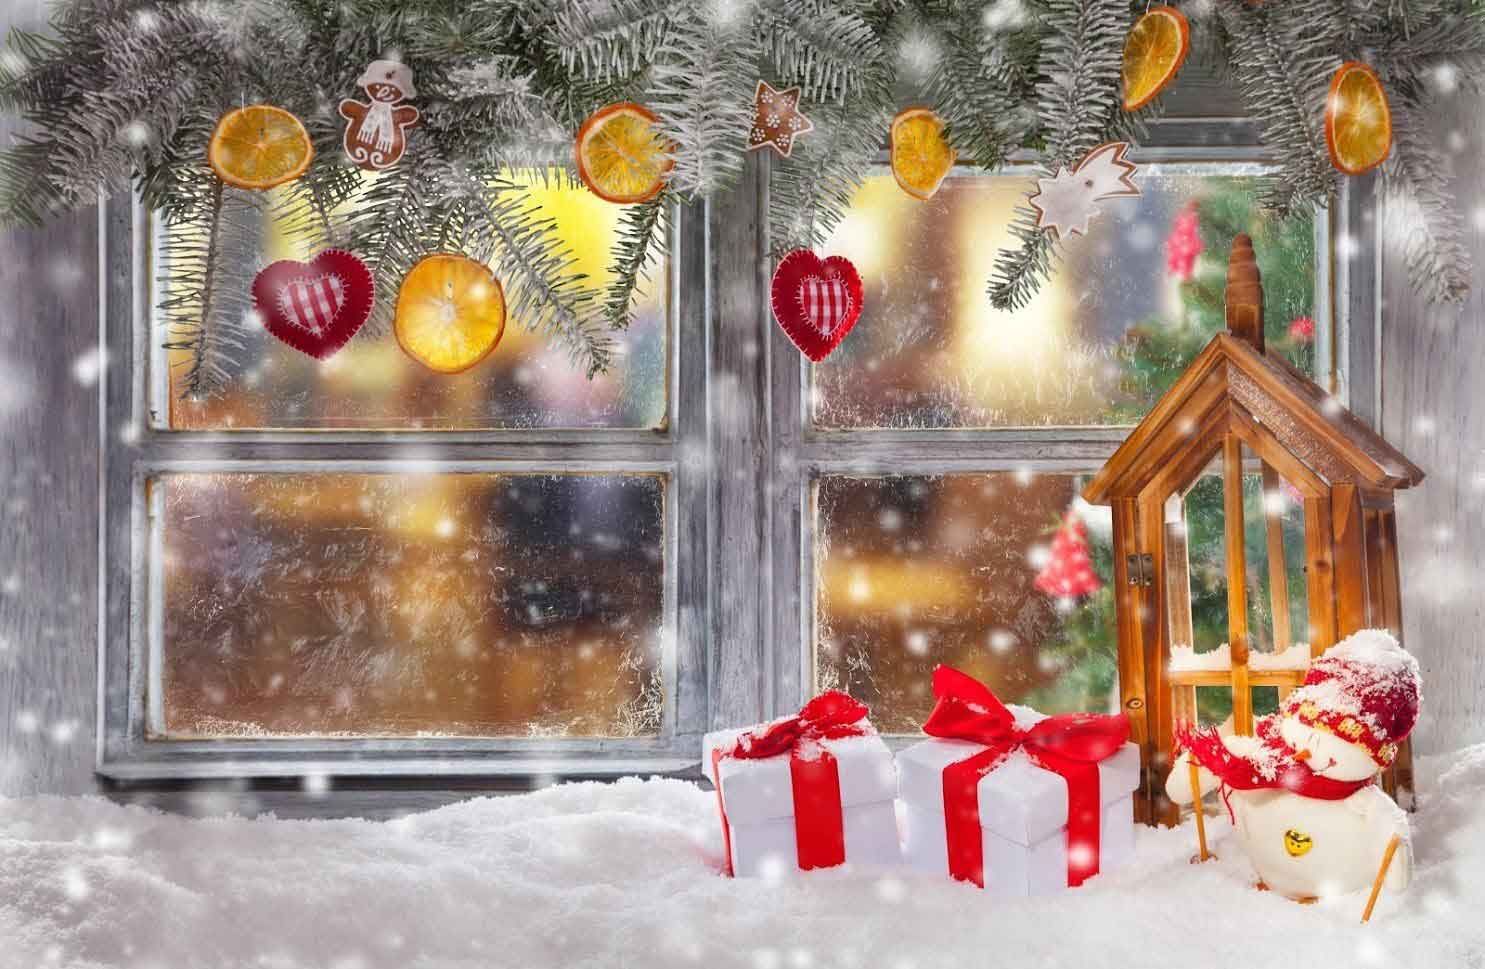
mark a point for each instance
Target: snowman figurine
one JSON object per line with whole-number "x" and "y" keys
{"x": 1302, "y": 791}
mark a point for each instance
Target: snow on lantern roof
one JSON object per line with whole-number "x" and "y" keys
{"x": 1234, "y": 386}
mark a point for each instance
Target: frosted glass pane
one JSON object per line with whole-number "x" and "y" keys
{"x": 525, "y": 383}
{"x": 913, "y": 571}
{"x": 1099, "y": 343}
{"x": 410, "y": 604}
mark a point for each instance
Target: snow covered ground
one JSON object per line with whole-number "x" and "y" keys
{"x": 590, "y": 875}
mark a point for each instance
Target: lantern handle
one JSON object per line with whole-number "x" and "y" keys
{"x": 1244, "y": 298}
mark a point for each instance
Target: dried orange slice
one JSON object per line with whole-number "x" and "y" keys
{"x": 450, "y": 312}
{"x": 921, "y": 155}
{"x": 259, "y": 146}
{"x": 1154, "y": 51}
{"x": 1358, "y": 122}
{"x": 621, "y": 155}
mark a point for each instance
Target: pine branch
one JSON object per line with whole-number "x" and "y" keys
{"x": 704, "y": 79}
{"x": 1423, "y": 210}
{"x": 496, "y": 116}
{"x": 810, "y": 192}
{"x": 1282, "y": 62}
{"x": 1078, "y": 108}
{"x": 642, "y": 228}
{"x": 978, "y": 87}
{"x": 1021, "y": 270}
{"x": 209, "y": 261}
{"x": 306, "y": 207}
{"x": 614, "y": 40}
{"x": 827, "y": 50}
{"x": 390, "y": 222}
{"x": 496, "y": 223}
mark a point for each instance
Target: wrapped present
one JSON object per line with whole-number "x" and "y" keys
{"x": 1014, "y": 801}
{"x": 813, "y": 790}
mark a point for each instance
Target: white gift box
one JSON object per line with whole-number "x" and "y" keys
{"x": 757, "y": 797}
{"x": 1023, "y": 813}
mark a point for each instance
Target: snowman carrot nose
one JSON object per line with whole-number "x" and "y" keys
{"x": 1303, "y": 754}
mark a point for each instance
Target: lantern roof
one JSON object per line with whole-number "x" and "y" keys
{"x": 1235, "y": 386}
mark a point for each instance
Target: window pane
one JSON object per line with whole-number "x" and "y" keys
{"x": 1102, "y": 340}
{"x": 525, "y": 383}
{"x": 409, "y": 604}
{"x": 979, "y": 571}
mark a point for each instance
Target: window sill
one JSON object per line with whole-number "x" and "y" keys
{"x": 207, "y": 768}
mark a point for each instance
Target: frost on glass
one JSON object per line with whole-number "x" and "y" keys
{"x": 913, "y": 571}
{"x": 407, "y": 605}
{"x": 1129, "y": 306}
{"x": 525, "y": 383}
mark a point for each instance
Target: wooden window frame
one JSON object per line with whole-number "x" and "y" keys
{"x": 741, "y": 459}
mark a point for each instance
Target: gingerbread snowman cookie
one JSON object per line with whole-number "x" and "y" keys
{"x": 377, "y": 133}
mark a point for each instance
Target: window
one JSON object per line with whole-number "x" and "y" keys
{"x": 359, "y": 566}
{"x": 939, "y": 454}
{"x": 354, "y": 567}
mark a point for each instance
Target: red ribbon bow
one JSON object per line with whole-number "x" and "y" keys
{"x": 1070, "y": 745}
{"x": 819, "y": 818}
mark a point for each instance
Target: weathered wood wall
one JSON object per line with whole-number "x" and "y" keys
{"x": 1433, "y": 409}
{"x": 49, "y": 496}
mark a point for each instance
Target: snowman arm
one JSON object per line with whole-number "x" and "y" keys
{"x": 1178, "y": 781}
{"x": 1401, "y": 873}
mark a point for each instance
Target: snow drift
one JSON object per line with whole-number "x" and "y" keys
{"x": 626, "y": 874}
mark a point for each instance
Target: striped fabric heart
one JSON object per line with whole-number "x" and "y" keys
{"x": 825, "y": 302}
{"x": 313, "y": 303}
{"x": 816, "y": 301}
{"x": 316, "y": 306}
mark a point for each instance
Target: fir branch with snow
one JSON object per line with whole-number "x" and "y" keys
{"x": 811, "y": 191}
{"x": 642, "y": 230}
{"x": 1078, "y": 107}
{"x": 824, "y": 47}
{"x": 1282, "y": 60}
{"x": 703, "y": 85}
{"x": 125, "y": 96}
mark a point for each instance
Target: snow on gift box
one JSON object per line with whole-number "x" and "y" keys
{"x": 815, "y": 789}
{"x": 1014, "y": 801}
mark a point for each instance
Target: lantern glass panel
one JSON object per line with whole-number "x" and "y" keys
{"x": 1274, "y": 553}
{"x": 1196, "y": 563}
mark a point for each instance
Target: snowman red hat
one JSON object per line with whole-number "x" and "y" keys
{"x": 1365, "y": 690}
{"x": 1332, "y": 734}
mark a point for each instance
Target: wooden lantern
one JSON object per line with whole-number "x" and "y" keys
{"x": 1270, "y": 428}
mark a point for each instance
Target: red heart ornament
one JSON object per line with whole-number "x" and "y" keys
{"x": 816, "y": 301}
{"x": 316, "y": 306}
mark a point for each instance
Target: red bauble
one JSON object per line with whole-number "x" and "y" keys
{"x": 1069, "y": 572}
{"x": 316, "y": 306}
{"x": 816, "y": 301}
